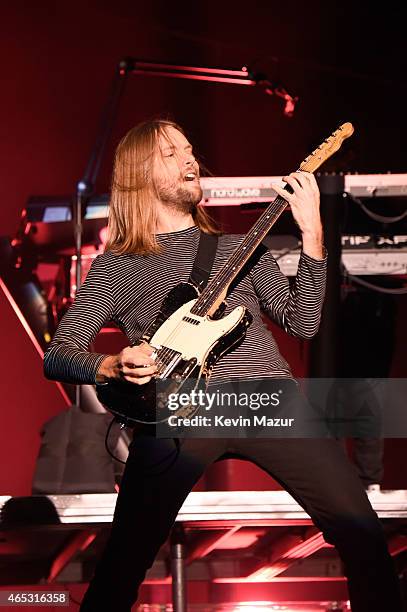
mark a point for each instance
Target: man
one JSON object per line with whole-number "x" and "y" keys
{"x": 154, "y": 230}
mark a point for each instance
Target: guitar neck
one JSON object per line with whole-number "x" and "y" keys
{"x": 220, "y": 283}
{"x": 215, "y": 292}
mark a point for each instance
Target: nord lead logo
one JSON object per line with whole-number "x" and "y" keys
{"x": 236, "y": 193}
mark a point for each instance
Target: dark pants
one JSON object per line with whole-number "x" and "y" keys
{"x": 368, "y": 459}
{"x": 157, "y": 479}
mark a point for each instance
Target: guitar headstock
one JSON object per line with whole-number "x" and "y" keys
{"x": 327, "y": 148}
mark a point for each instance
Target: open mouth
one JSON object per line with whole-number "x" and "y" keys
{"x": 191, "y": 176}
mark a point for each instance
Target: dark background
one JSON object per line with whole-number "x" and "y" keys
{"x": 345, "y": 60}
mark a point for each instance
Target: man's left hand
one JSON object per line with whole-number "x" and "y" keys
{"x": 304, "y": 203}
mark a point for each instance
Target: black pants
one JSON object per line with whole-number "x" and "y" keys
{"x": 368, "y": 459}
{"x": 158, "y": 478}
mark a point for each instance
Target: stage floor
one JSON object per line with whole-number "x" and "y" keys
{"x": 238, "y": 545}
{"x": 271, "y": 507}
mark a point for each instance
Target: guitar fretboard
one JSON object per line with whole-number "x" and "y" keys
{"x": 213, "y": 293}
{"x": 244, "y": 251}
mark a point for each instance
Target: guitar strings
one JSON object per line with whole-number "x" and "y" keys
{"x": 224, "y": 272}
{"x": 210, "y": 296}
{"x": 168, "y": 353}
{"x": 261, "y": 228}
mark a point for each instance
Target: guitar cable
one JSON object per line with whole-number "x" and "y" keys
{"x": 176, "y": 441}
{"x": 373, "y": 215}
{"x": 107, "y": 441}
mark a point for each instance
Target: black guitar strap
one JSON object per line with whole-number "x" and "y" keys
{"x": 204, "y": 260}
{"x": 205, "y": 257}
{"x": 199, "y": 277}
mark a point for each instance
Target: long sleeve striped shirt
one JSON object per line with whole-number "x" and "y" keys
{"x": 128, "y": 289}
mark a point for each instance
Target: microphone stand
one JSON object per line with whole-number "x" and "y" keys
{"x": 129, "y": 65}
{"x": 85, "y": 186}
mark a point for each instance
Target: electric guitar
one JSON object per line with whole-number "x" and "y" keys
{"x": 189, "y": 334}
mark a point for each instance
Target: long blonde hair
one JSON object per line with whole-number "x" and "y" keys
{"x": 132, "y": 216}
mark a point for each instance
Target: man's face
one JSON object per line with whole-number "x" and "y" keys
{"x": 176, "y": 172}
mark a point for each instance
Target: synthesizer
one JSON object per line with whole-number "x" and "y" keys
{"x": 217, "y": 191}
{"x": 361, "y": 255}
{"x": 235, "y": 190}
{"x": 47, "y": 221}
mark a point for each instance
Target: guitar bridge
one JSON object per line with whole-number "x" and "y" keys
{"x": 165, "y": 368}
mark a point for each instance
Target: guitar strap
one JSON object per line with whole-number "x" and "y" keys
{"x": 204, "y": 259}
{"x": 199, "y": 277}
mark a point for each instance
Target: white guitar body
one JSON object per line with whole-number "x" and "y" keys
{"x": 192, "y": 336}
{"x": 186, "y": 347}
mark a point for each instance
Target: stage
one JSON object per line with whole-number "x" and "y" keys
{"x": 275, "y": 131}
{"x": 227, "y": 547}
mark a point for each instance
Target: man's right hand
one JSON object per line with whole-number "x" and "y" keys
{"x": 134, "y": 364}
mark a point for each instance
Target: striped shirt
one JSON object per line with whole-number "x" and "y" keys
{"x": 128, "y": 289}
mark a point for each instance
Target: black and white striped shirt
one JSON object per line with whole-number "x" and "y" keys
{"x": 129, "y": 289}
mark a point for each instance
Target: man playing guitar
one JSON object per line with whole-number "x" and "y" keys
{"x": 154, "y": 230}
